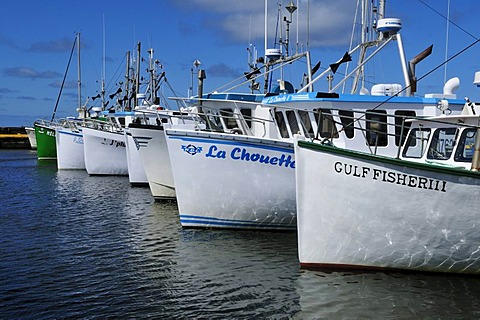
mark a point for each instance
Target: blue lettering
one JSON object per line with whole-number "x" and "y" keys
{"x": 255, "y": 157}
{"x": 287, "y": 161}
{"x": 221, "y": 154}
{"x": 210, "y": 152}
{"x": 264, "y": 159}
{"x": 242, "y": 154}
{"x": 234, "y": 155}
{"x": 245, "y": 155}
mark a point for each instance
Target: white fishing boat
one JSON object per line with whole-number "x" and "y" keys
{"x": 136, "y": 172}
{"x": 417, "y": 211}
{"x": 109, "y": 149}
{"x": 104, "y": 145}
{"x": 31, "y": 137}
{"x": 69, "y": 144}
{"x": 247, "y": 179}
{"x": 68, "y": 135}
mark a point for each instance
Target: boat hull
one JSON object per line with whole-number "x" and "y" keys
{"x": 70, "y": 154}
{"x": 256, "y": 187}
{"x": 153, "y": 152}
{"x": 136, "y": 171}
{"x": 45, "y": 139}
{"x": 104, "y": 152}
{"x": 360, "y": 211}
{"x": 31, "y": 137}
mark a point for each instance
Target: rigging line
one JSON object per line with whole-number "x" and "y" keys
{"x": 64, "y": 77}
{"x": 441, "y": 15}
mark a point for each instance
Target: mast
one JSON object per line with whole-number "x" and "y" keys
{"x": 103, "y": 68}
{"x": 79, "y": 76}
{"x": 137, "y": 78}
{"x": 64, "y": 77}
{"x": 151, "y": 70}
{"x": 127, "y": 83}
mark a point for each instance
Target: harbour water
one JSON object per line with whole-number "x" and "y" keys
{"x": 75, "y": 246}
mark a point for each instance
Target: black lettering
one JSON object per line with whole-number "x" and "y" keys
{"x": 365, "y": 170}
{"x": 376, "y": 173}
{"x": 412, "y": 181}
{"x": 391, "y": 177}
{"x": 401, "y": 177}
{"x": 338, "y": 167}
{"x": 422, "y": 183}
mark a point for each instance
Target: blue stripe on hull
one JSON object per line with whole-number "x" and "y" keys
{"x": 206, "y": 222}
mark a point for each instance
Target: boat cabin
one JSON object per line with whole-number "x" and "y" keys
{"x": 447, "y": 140}
{"x": 367, "y": 123}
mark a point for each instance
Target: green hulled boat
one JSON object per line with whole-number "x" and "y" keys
{"x": 46, "y": 144}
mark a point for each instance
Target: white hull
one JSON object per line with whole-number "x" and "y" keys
{"x": 70, "y": 154}
{"x": 233, "y": 181}
{"x": 136, "y": 171}
{"x": 105, "y": 152}
{"x": 374, "y": 213}
{"x": 154, "y": 156}
{"x": 31, "y": 137}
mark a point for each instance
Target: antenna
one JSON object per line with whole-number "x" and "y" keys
{"x": 446, "y": 40}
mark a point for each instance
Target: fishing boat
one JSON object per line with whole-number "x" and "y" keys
{"x": 31, "y": 137}
{"x": 45, "y": 139}
{"x": 69, "y": 145}
{"x": 251, "y": 171}
{"x": 105, "y": 138}
{"x": 104, "y": 144}
{"x": 416, "y": 211}
{"x": 45, "y": 131}
{"x": 68, "y": 135}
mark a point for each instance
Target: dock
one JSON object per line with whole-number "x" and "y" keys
{"x": 14, "y": 138}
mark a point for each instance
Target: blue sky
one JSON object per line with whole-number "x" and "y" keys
{"x": 36, "y": 38}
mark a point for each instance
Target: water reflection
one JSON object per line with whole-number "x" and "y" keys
{"x": 387, "y": 295}
{"x": 76, "y": 246}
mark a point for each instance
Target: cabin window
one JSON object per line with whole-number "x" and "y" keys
{"x": 416, "y": 143}
{"x": 348, "y": 123}
{"x": 442, "y": 144}
{"x": 247, "y": 115}
{"x": 282, "y": 125}
{"x": 399, "y": 116}
{"x": 212, "y": 120}
{"x": 292, "y": 121}
{"x": 466, "y": 145}
{"x": 377, "y": 128}
{"x": 228, "y": 118}
{"x": 306, "y": 122}
{"x": 326, "y": 124}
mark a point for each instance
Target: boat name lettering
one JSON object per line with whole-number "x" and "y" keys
{"x": 243, "y": 155}
{"x": 402, "y": 179}
{"x": 78, "y": 140}
{"x": 114, "y": 143}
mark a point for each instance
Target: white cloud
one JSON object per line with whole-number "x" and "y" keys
{"x": 330, "y": 22}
